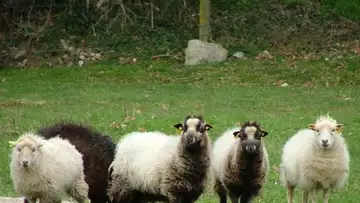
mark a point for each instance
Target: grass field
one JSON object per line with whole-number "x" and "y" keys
{"x": 154, "y": 96}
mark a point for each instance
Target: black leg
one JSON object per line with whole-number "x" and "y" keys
{"x": 98, "y": 199}
{"x": 221, "y": 192}
{"x": 245, "y": 198}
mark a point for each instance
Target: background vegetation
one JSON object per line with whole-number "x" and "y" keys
{"x": 121, "y": 29}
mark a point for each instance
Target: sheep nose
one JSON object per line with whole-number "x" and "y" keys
{"x": 190, "y": 139}
{"x": 324, "y": 142}
{"x": 250, "y": 148}
{"x": 25, "y": 163}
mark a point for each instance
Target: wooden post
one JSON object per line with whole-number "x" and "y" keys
{"x": 204, "y": 20}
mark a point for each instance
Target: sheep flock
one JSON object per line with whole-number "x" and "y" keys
{"x": 68, "y": 160}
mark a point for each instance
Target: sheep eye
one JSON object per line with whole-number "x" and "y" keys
{"x": 33, "y": 150}
{"x": 19, "y": 150}
{"x": 333, "y": 130}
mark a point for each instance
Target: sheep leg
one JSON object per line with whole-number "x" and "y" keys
{"x": 80, "y": 190}
{"x": 290, "y": 193}
{"x": 305, "y": 196}
{"x": 313, "y": 196}
{"x": 30, "y": 200}
{"x": 326, "y": 194}
{"x": 221, "y": 192}
{"x": 234, "y": 199}
{"x": 245, "y": 198}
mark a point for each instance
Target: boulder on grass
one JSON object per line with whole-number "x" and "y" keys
{"x": 198, "y": 52}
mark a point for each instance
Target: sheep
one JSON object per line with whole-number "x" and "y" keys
{"x": 47, "y": 169}
{"x": 153, "y": 166}
{"x": 239, "y": 163}
{"x": 98, "y": 152}
{"x": 315, "y": 159}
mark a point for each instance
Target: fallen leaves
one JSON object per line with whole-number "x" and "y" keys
{"x": 127, "y": 117}
{"x": 264, "y": 55}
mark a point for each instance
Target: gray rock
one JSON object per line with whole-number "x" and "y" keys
{"x": 199, "y": 52}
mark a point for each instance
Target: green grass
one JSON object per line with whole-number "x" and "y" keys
{"x": 160, "y": 94}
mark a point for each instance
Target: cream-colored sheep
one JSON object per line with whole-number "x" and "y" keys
{"x": 47, "y": 169}
{"x": 315, "y": 158}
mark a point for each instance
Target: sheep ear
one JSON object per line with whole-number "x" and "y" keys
{"x": 311, "y": 126}
{"x": 208, "y": 126}
{"x": 178, "y": 126}
{"x": 40, "y": 144}
{"x": 236, "y": 134}
{"x": 263, "y": 133}
{"x": 339, "y": 127}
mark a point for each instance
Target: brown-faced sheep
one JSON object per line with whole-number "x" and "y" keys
{"x": 239, "y": 163}
{"x": 153, "y": 166}
{"x": 98, "y": 152}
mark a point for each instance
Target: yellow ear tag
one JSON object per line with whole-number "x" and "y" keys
{"x": 338, "y": 131}
{"x": 12, "y": 143}
{"x": 236, "y": 137}
{"x": 180, "y": 130}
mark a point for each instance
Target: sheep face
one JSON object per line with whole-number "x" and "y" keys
{"x": 325, "y": 130}
{"x": 250, "y": 135}
{"x": 27, "y": 153}
{"x": 193, "y": 130}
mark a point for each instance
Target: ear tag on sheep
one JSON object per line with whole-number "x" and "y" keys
{"x": 180, "y": 130}
{"x": 12, "y": 143}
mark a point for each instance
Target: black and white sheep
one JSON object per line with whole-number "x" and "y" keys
{"x": 315, "y": 159}
{"x": 47, "y": 169}
{"x": 239, "y": 163}
{"x": 153, "y": 166}
{"x": 97, "y": 151}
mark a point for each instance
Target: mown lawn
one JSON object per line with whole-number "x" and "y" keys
{"x": 117, "y": 99}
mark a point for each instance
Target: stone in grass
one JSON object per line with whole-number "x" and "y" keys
{"x": 199, "y": 52}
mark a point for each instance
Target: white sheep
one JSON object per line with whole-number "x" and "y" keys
{"x": 315, "y": 158}
{"x": 239, "y": 163}
{"x": 155, "y": 167}
{"x": 47, "y": 169}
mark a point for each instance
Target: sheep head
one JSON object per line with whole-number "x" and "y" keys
{"x": 250, "y": 135}
{"x": 326, "y": 128}
{"x": 193, "y": 130}
{"x": 26, "y": 150}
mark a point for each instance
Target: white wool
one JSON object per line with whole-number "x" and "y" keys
{"x": 222, "y": 147}
{"x": 304, "y": 163}
{"x": 58, "y": 167}
{"x": 143, "y": 156}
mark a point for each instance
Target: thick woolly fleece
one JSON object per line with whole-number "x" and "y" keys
{"x": 97, "y": 149}
{"x": 305, "y": 165}
{"x": 157, "y": 167}
{"x": 233, "y": 172}
{"x": 56, "y": 169}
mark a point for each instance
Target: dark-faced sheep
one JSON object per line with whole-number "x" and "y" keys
{"x": 47, "y": 169}
{"x": 153, "y": 166}
{"x": 315, "y": 159}
{"x": 240, "y": 163}
{"x": 97, "y": 151}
